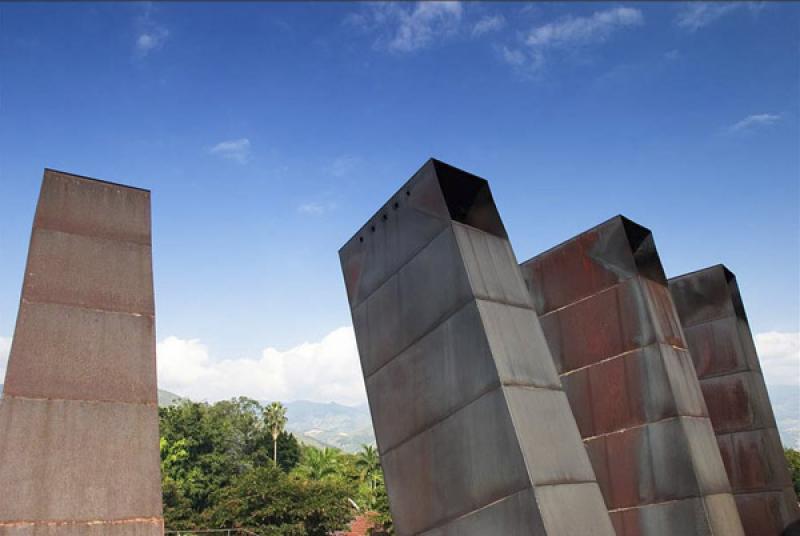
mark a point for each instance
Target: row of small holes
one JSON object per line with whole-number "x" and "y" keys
{"x": 385, "y": 217}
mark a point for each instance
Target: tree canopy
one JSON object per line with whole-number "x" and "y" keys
{"x": 218, "y": 471}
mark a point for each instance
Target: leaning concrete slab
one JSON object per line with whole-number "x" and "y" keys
{"x": 607, "y": 315}
{"x": 79, "y": 417}
{"x": 718, "y": 334}
{"x": 474, "y": 430}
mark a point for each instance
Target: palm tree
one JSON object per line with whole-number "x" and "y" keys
{"x": 275, "y": 419}
{"x": 318, "y": 464}
{"x": 368, "y": 464}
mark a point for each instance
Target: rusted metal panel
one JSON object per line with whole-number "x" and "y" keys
{"x": 78, "y": 460}
{"x": 92, "y": 363}
{"x": 79, "y": 419}
{"x": 485, "y": 442}
{"x": 89, "y": 207}
{"x": 616, "y": 338}
{"x": 125, "y": 527}
{"x": 713, "y": 316}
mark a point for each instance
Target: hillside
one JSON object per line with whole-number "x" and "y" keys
{"x": 165, "y": 398}
{"x": 331, "y": 424}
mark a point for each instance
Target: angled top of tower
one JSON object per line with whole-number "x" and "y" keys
{"x": 599, "y": 258}
{"x": 437, "y": 195}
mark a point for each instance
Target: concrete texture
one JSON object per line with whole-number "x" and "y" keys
{"x": 609, "y": 321}
{"x": 713, "y": 316}
{"x": 474, "y": 430}
{"x": 79, "y": 418}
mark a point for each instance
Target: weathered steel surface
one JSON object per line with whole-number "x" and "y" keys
{"x": 609, "y": 320}
{"x": 721, "y": 344}
{"x": 79, "y": 417}
{"x": 474, "y": 430}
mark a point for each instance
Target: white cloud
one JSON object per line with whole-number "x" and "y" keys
{"x": 695, "y": 15}
{"x": 323, "y": 371}
{"x": 409, "y": 27}
{"x": 315, "y": 208}
{"x": 151, "y": 40}
{"x": 5, "y": 348}
{"x": 513, "y": 56}
{"x": 584, "y": 30}
{"x": 236, "y": 150}
{"x": 754, "y": 121}
{"x": 672, "y": 55}
{"x": 150, "y": 35}
{"x": 488, "y": 24}
{"x": 570, "y": 33}
{"x": 779, "y": 352}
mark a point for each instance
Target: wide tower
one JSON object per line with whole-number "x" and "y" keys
{"x": 79, "y": 450}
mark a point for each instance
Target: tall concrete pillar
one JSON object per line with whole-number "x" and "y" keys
{"x": 474, "y": 430}
{"x": 607, "y": 315}
{"x": 79, "y": 452}
{"x": 716, "y": 329}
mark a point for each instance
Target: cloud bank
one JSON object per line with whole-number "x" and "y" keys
{"x": 323, "y": 371}
{"x": 779, "y": 352}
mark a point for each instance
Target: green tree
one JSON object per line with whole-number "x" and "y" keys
{"x": 275, "y": 419}
{"x": 271, "y": 502}
{"x": 368, "y": 465}
{"x": 288, "y": 451}
{"x": 793, "y": 459}
{"x": 381, "y": 506}
{"x": 319, "y": 464}
{"x": 218, "y": 469}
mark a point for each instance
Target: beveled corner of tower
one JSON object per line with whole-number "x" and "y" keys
{"x": 434, "y": 197}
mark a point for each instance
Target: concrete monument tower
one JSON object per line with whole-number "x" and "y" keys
{"x": 79, "y": 417}
{"x": 474, "y": 430}
{"x": 608, "y": 317}
{"x": 718, "y": 334}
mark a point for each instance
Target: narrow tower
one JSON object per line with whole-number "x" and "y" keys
{"x": 475, "y": 433}
{"x": 79, "y": 452}
{"x": 718, "y": 334}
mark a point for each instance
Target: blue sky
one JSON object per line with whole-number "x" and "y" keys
{"x": 270, "y": 132}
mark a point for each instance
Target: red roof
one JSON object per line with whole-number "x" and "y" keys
{"x": 359, "y": 527}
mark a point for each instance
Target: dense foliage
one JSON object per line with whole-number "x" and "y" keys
{"x": 219, "y": 471}
{"x": 793, "y": 458}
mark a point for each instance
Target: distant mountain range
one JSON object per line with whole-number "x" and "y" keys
{"x": 318, "y": 424}
{"x": 331, "y": 424}
{"x": 349, "y": 427}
